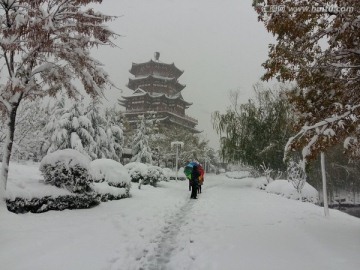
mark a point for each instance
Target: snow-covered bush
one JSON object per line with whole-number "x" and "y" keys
{"x": 44, "y": 204}
{"x": 154, "y": 175}
{"x": 68, "y": 169}
{"x": 180, "y": 175}
{"x": 238, "y": 174}
{"x": 112, "y": 180}
{"x": 260, "y": 182}
{"x": 286, "y": 189}
{"x": 296, "y": 175}
{"x": 145, "y": 173}
{"x": 105, "y": 192}
{"x": 110, "y": 171}
{"x": 167, "y": 173}
{"x": 267, "y": 171}
{"x": 137, "y": 171}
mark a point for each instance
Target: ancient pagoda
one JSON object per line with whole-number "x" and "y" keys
{"x": 156, "y": 89}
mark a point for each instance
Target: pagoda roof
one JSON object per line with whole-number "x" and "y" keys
{"x": 140, "y": 92}
{"x": 134, "y": 83}
{"x": 137, "y": 67}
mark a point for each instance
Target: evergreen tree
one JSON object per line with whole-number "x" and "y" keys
{"x": 71, "y": 130}
{"x": 55, "y": 112}
{"x": 195, "y": 147}
{"x": 29, "y": 133}
{"x": 114, "y": 131}
{"x": 140, "y": 144}
{"x": 98, "y": 123}
{"x": 31, "y": 119}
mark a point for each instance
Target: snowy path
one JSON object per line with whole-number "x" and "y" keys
{"x": 237, "y": 227}
{"x": 166, "y": 243}
{"x": 231, "y": 226}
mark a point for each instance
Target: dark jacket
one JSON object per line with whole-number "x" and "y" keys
{"x": 195, "y": 176}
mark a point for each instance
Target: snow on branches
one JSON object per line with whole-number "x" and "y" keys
{"x": 85, "y": 130}
{"x": 317, "y": 45}
{"x": 45, "y": 47}
{"x": 140, "y": 146}
{"x": 67, "y": 31}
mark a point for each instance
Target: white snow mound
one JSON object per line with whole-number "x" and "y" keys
{"x": 109, "y": 170}
{"x": 286, "y": 189}
{"x": 70, "y": 157}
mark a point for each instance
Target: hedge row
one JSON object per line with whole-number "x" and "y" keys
{"x": 40, "y": 205}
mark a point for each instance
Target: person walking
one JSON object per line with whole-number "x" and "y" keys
{"x": 201, "y": 181}
{"x": 194, "y": 182}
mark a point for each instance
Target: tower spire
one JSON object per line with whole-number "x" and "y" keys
{"x": 157, "y": 56}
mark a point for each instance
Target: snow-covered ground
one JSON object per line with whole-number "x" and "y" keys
{"x": 231, "y": 226}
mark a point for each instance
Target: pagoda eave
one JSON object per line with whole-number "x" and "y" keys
{"x": 136, "y": 67}
{"x": 156, "y": 96}
{"x": 133, "y": 84}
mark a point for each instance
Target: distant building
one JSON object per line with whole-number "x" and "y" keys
{"x": 157, "y": 90}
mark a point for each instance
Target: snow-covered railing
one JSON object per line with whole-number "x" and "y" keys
{"x": 141, "y": 111}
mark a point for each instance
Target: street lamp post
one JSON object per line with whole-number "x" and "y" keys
{"x": 177, "y": 144}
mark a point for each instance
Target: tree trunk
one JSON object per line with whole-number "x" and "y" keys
{"x": 323, "y": 173}
{"x": 10, "y": 123}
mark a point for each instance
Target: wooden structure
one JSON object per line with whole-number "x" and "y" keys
{"x": 156, "y": 90}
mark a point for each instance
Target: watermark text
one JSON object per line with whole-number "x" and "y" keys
{"x": 311, "y": 9}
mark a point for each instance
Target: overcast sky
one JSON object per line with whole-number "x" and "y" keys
{"x": 219, "y": 44}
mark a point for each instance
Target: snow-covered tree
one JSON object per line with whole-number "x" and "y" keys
{"x": 254, "y": 133}
{"x": 45, "y": 46}
{"x": 140, "y": 143}
{"x": 29, "y": 134}
{"x": 91, "y": 131}
{"x": 72, "y": 130}
{"x": 114, "y": 131}
{"x": 317, "y": 46}
{"x": 100, "y": 146}
{"x": 194, "y": 145}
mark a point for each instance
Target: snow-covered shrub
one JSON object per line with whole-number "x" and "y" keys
{"x": 44, "y": 204}
{"x": 266, "y": 170}
{"x": 110, "y": 171}
{"x": 68, "y": 169}
{"x": 145, "y": 174}
{"x": 180, "y": 175}
{"x": 238, "y": 174}
{"x": 167, "y": 173}
{"x": 154, "y": 175}
{"x": 296, "y": 175}
{"x": 105, "y": 192}
{"x": 112, "y": 180}
{"x": 260, "y": 182}
{"x": 286, "y": 189}
{"x": 137, "y": 171}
